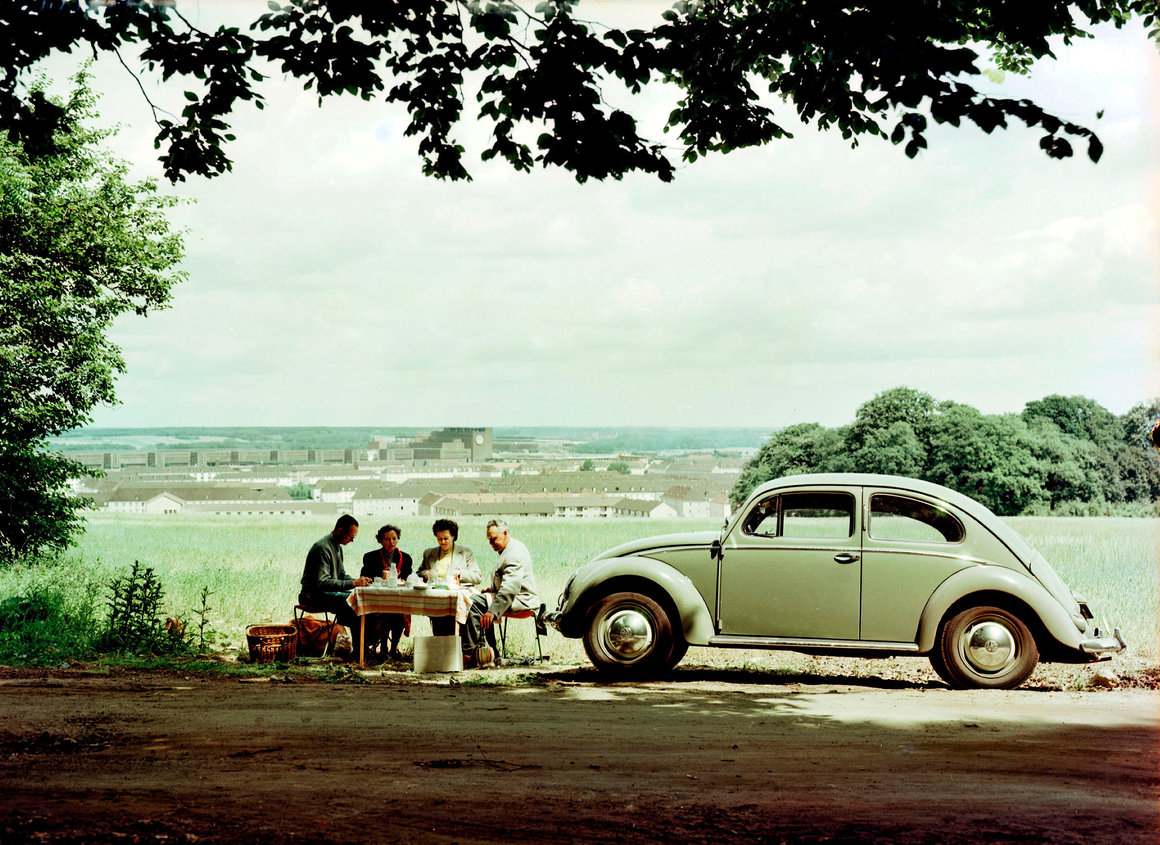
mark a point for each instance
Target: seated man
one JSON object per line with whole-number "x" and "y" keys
{"x": 325, "y": 584}
{"x": 513, "y": 587}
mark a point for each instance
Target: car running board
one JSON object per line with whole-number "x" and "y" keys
{"x": 731, "y": 641}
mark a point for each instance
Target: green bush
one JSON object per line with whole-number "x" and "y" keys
{"x": 134, "y": 623}
{"x": 50, "y": 614}
{"x": 59, "y": 608}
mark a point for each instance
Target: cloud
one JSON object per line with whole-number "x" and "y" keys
{"x": 330, "y": 283}
{"x": 640, "y": 294}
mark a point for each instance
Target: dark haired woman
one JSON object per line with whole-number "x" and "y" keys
{"x": 448, "y": 560}
{"x": 389, "y": 627}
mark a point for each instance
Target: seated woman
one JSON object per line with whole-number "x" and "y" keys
{"x": 384, "y": 630}
{"x": 447, "y": 560}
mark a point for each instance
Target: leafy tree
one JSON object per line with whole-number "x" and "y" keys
{"x": 805, "y": 447}
{"x": 587, "y": 465}
{"x": 79, "y": 245}
{"x": 1139, "y": 473}
{"x": 620, "y": 467}
{"x": 880, "y": 70}
{"x": 1139, "y": 460}
{"x": 1078, "y": 416}
{"x": 897, "y": 405}
{"x": 1009, "y": 462}
{"x": 892, "y": 451}
{"x": 986, "y": 457}
{"x": 1135, "y": 424}
{"x": 1063, "y": 474}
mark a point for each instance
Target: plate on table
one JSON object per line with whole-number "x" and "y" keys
{"x": 419, "y": 586}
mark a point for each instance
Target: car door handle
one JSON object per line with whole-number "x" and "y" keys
{"x": 845, "y": 557}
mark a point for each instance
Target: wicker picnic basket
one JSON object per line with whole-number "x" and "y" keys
{"x": 272, "y": 642}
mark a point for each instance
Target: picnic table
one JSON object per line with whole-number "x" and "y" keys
{"x": 422, "y": 602}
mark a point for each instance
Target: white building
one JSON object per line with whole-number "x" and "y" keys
{"x": 645, "y": 508}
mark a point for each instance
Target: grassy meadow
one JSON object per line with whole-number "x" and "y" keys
{"x": 253, "y": 565}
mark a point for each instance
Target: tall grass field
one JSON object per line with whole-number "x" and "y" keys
{"x": 253, "y": 565}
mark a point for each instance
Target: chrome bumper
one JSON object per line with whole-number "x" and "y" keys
{"x": 1104, "y": 646}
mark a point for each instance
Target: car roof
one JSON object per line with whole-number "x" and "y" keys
{"x": 1008, "y": 535}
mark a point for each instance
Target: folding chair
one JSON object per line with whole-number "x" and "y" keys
{"x": 540, "y": 628}
{"x": 328, "y": 617}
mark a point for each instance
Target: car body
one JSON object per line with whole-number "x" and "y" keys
{"x": 837, "y": 563}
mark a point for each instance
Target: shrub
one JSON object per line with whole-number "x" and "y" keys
{"x": 134, "y": 621}
{"x": 51, "y": 615}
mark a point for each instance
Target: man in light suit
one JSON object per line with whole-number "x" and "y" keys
{"x": 513, "y": 587}
{"x": 444, "y": 561}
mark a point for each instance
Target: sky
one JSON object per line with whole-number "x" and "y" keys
{"x": 330, "y": 283}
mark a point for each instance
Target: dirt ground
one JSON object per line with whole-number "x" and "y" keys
{"x": 708, "y": 756}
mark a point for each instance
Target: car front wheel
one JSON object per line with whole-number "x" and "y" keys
{"x": 985, "y": 647}
{"x": 628, "y": 634}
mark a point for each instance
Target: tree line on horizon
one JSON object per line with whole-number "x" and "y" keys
{"x": 588, "y": 439}
{"x": 1061, "y": 454}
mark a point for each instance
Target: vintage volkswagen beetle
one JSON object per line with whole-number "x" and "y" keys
{"x": 842, "y": 563}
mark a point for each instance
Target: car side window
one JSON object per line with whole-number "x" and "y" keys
{"x": 902, "y": 518}
{"x": 762, "y": 520}
{"x": 817, "y": 515}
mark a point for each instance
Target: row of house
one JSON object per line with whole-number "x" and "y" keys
{"x": 590, "y": 507}
{"x": 687, "y": 486}
{"x": 624, "y": 497}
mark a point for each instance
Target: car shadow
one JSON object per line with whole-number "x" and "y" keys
{"x": 776, "y": 677}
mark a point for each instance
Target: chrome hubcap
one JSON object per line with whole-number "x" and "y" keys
{"x": 628, "y": 633}
{"x": 989, "y": 646}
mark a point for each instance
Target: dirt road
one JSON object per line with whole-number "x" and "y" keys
{"x": 157, "y": 758}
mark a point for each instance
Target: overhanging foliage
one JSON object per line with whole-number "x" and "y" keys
{"x": 884, "y": 69}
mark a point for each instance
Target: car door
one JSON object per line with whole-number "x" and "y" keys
{"x": 791, "y": 567}
{"x": 912, "y": 543}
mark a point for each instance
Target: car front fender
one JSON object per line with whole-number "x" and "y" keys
{"x": 600, "y": 578}
{"x": 989, "y": 579}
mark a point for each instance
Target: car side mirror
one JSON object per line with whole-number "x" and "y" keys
{"x": 715, "y": 549}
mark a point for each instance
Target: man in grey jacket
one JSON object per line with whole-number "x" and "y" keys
{"x": 513, "y": 586}
{"x": 325, "y": 584}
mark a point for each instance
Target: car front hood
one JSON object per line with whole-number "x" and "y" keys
{"x": 700, "y": 539}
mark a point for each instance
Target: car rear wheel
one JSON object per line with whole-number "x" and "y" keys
{"x": 628, "y": 634}
{"x": 985, "y": 647}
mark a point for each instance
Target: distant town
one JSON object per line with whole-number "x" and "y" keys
{"x": 456, "y": 472}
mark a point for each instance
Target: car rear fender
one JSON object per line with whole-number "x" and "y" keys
{"x": 1000, "y": 586}
{"x": 671, "y": 588}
